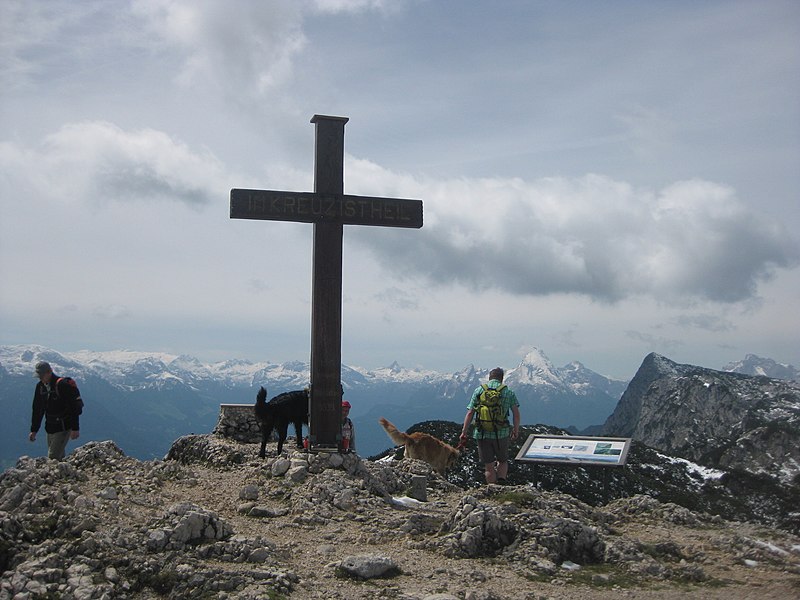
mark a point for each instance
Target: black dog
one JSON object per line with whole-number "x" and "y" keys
{"x": 289, "y": 407}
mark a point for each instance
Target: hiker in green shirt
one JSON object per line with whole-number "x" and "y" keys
{"x": 489, "y": 405}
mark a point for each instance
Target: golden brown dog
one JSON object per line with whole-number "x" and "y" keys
{"x": 422, "y": 446}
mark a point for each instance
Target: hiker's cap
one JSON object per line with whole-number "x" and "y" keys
{"x": 43, "y": 367}
{"x": 345, "y": 404}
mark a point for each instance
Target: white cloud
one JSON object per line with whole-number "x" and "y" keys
{"x": 591, "y": 235}
{"x": 249, "y": 49}
{"x": 97, "y": 161}
{"x": 335, "y": 6}
{"x": 249, "y": 52}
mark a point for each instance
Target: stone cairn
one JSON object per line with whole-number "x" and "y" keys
{"x": 238, "y": 422}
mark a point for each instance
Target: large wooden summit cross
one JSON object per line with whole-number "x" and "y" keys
{"x": 328, "y": 208}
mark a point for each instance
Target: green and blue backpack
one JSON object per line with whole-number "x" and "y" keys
{"x": 489, "y": 413}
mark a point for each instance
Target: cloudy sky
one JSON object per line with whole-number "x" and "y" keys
{"x": 600, "y": 179}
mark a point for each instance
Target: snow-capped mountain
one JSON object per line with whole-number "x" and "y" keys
{"x": 535, "y": 369}
{"x": 573, "y": 378}
{"x": 150, "y": 393}
{"x": 766, "y": 367}
{"x": 133, "y": 370}
{"x": 139, "y": 370}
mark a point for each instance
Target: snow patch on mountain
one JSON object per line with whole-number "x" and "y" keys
{"x": 705, "y": 473}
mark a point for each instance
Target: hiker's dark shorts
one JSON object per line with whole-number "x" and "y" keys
{"x": 490, "y": 450}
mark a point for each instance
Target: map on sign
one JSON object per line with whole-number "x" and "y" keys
{"x": 575, "y": 450}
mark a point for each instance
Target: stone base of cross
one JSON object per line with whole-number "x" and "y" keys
{"x": 329, "y": 209}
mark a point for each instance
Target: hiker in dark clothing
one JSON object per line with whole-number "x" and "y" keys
{"x": 58, "y": 400}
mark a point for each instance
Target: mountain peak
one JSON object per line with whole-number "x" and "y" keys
{"x": 766, "y": 367}
{"x": 660, "y": 364}
{"x": 711, "y": 416}
{"x": 535, "y": 356}
{"x": 534, "y": 369}
{"x": 186, "y": 359}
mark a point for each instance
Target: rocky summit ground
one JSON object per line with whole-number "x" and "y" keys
{"x": 215, "y": 521}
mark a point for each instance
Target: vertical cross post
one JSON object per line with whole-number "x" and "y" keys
{"x": 326, "y": 296}
{"x": 329, "y": 209}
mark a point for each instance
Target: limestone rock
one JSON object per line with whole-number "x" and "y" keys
{"x": 249, "y": 492}
{"x": 478, "y": 530}
{"x": 205, "y": 449}
{"x": 297, "y": 474}
{"x": 368, "y": 566}
{"x": 280, "y": 467}
{"x": 185, "y": 523}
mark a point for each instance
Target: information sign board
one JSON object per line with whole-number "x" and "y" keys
{"x": 575, "y": 450}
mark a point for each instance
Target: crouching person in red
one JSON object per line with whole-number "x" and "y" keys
{"x": 58, "y": 401}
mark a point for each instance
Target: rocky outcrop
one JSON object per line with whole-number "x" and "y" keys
{"x": 205, "y": 448}
{"x": 627, "y": 414}
{"x": 713, "y": 417}
{"x": 328, "y": 525}
{"x": 104, "y": 511}
{"x": 478, "y": 530}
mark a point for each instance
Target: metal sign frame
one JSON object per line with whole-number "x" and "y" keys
{"x": 575, "y": 450}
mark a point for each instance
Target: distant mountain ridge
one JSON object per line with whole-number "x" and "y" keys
{"x": 765, "y": 367}
{"x": 136, "y": 370}
{"x": 144, "y": 400}
{"x": 178, "y": 394}
{"x": 717, "y": 418}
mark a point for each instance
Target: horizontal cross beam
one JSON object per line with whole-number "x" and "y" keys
{"x": 316, "y": 207}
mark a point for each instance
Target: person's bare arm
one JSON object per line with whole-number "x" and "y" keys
{"x": 515, "y": 430}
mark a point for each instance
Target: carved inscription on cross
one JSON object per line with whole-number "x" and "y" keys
{"x": 329, "y": 209}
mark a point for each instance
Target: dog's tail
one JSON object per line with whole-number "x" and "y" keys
{"x": 397, "y": 436}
